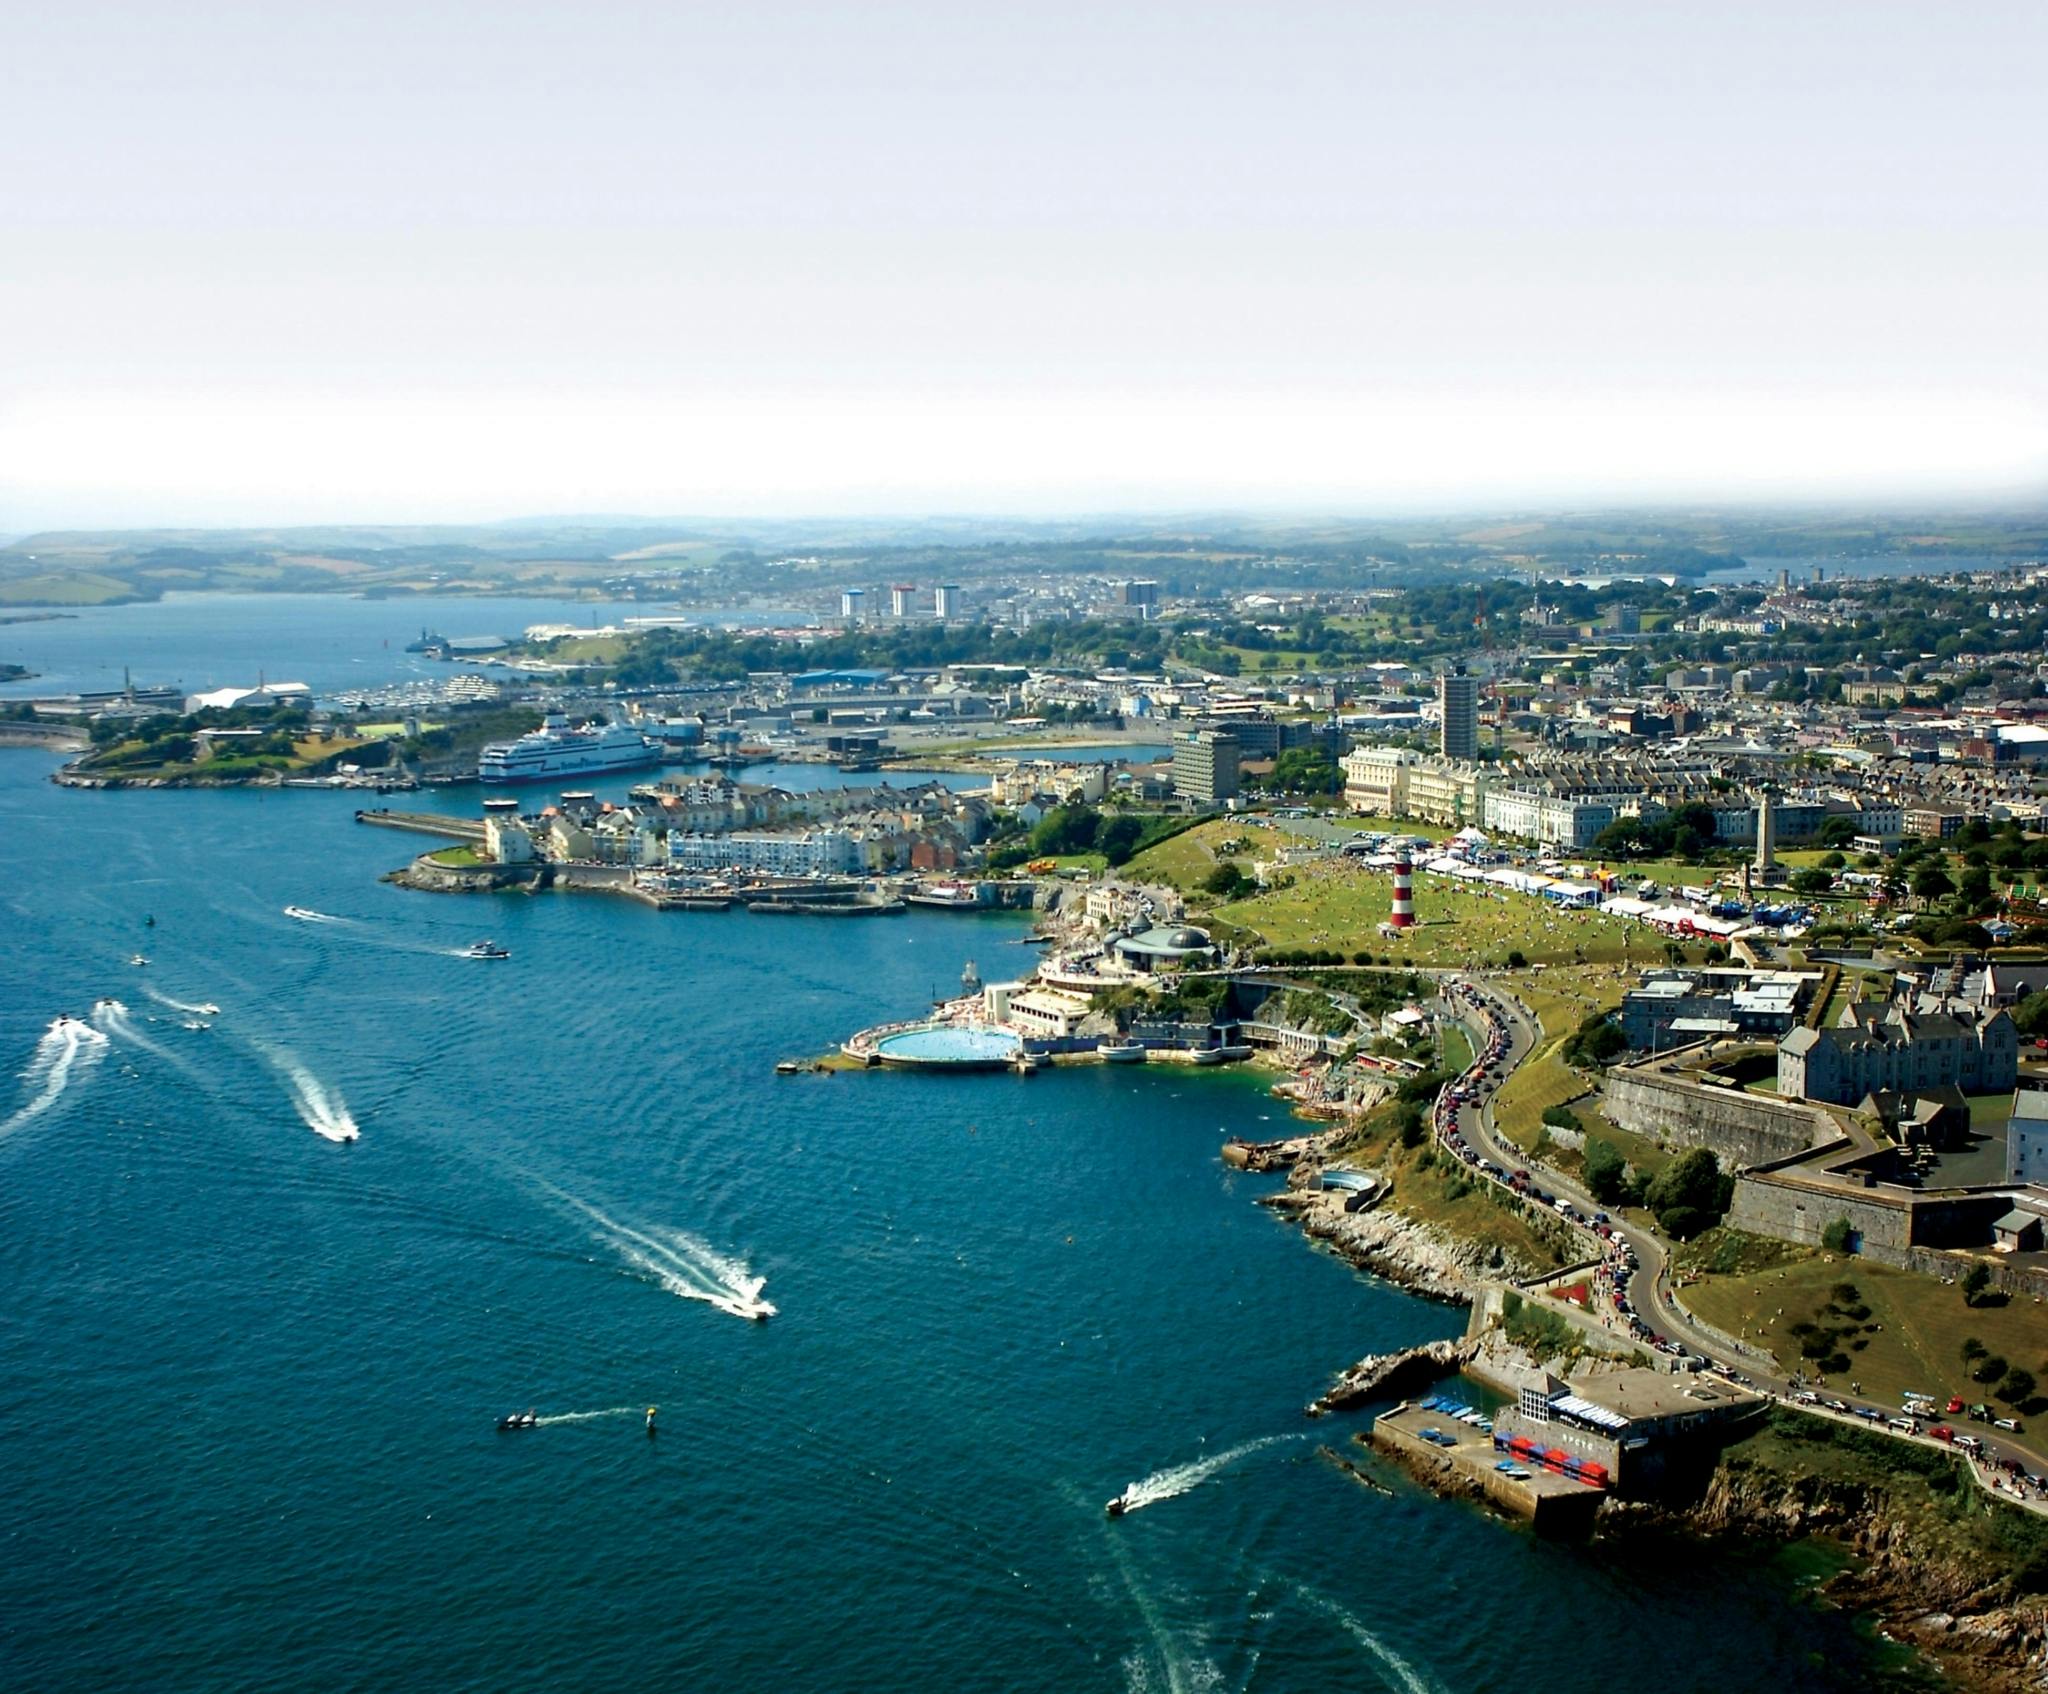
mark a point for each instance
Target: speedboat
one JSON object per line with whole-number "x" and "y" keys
{"x": 138, "y": 959}
{"x": 207, "y": 1009}
{"x": 303, "y": 913}
{"x": 485, "y": 950}
{"x": 195, "y": 1023}
{"x": 1122, "y": 1503}
{"x": 519, "y": 1420}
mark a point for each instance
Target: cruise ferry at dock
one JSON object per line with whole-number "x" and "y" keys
{"x": 557, "y": 750}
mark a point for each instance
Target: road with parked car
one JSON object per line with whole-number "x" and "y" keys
{"x": 1634, "y": 1266}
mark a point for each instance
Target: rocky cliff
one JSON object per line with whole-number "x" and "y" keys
{"x": 1967, "y": 1607}
{"x": 1417, "y": 1256}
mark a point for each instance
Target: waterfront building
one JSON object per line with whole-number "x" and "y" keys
{"x": 817, "y": 852}
{"x": 507, "y": 840}
{"x": 1205, "y": 767}
{"x": 1457, "y": 699}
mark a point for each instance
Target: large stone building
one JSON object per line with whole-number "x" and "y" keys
{"x": 1536, "y": 813}
{"x": 1893, "y": 1047}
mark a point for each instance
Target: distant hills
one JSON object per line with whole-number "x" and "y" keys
{"x": 625, "y": 555}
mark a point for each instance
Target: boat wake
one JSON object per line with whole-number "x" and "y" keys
{"x": 203, "y": 1009}
{"x": 67, "y": 1049}
{"x": 112, "y": 1019}
{"x": 550, "y": 1418}
{"x": 305, "y": 914}
{"x": 677, "y": 1261}
{"x": 1394, "y": 1670}
{"x": 321, "y": 1108}
{"x": 1177, "y": 1480}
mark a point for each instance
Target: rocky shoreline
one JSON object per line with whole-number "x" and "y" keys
{"x": 1410, "y": 1254}
{"x": 1966, "y": 1614}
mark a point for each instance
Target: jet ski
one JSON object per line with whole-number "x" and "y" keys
{"x": 1121, "y": 1504}
{"x": 519, "y": 1420}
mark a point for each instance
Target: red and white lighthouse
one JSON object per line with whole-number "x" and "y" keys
{"x": 1403, "y": 914}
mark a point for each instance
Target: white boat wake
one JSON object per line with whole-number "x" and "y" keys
{"x": 321, "y": 1108}
{"x": 1176, "y": 1480}
{"x": 549, "y": 1418}
{"x": 682, "y": 1264}
{"x": 113, "y": 1019}
{"x": 1395, "y": 1670}
{"x": 306, "y": 914}
{"x": 203, "y": 1009}
{"x": 66, "y": 1049}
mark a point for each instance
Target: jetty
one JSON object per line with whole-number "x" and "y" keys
{"x": 425, "y": 823}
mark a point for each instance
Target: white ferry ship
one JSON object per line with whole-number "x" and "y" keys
{"x": 557, "y": 750}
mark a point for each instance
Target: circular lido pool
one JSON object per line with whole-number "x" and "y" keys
{"x": 955, "y": 1046}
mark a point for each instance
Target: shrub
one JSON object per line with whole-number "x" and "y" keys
{"x": 1838, "y": 1236}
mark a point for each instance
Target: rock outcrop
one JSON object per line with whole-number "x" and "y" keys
{"x": 1415, "y": 1255}
{"x": 1381, "y": 1376}
{"x": 1966, "y": 1611}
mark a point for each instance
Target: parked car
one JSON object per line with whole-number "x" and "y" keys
{"x": 2012, "y": 1424}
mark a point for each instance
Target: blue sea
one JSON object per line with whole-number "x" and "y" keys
{"x": 267, "y": 1285}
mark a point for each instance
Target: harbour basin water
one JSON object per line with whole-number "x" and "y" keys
{"x": 250, "y": 1368}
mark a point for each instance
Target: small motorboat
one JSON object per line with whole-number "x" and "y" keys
{"x": 1122, "y": 1503}
{"x": 485, "y": 950}
{"x": 195, "y": 1023}
{"x": 149, "y": 922}
{"x": 528, "y": 1419}
{"x": 138, "y": 960}
{"x": 305, "y": 914}
{"x": 207, "y": 1009}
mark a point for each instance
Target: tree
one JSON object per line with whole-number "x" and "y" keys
{"x": 1306, "y": 770}
{"x": 1973, "y": 1349}
{"x": 1836, "y": 831}
{"x": 1974, "y": 1285}
{"x": 1226, "y": 881}
{"x": 1689, "y": 1194}
{"x": 1606, "y": 1171}
{"x": 1812, "y": 881}
{"x": 2030, "y": 1016}
{"x": 1990, "y": 1368}
{"x": 1931, "y": 882}
{"x": 1839, "y": 1236}
{"x": 2017, "y": 1387}
{"x": 1117, "y": 838}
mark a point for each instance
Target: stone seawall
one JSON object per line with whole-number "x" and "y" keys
{"x": 1740, "y": 1128}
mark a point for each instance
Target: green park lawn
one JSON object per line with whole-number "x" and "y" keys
{"x": 1332, "y": 903}
{"x": 1912, "y": 1337}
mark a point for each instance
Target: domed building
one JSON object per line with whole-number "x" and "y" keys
{"x": 1181, "y": 947}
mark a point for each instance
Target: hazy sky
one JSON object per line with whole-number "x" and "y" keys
{"x": 269, "y": 261}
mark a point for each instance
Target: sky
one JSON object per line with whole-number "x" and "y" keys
{"x": 268, "y": 263}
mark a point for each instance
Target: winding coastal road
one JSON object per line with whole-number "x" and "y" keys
{"x": 1650, "y": 1288}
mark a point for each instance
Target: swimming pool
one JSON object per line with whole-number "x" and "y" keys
{"x": 962, "y": 1046}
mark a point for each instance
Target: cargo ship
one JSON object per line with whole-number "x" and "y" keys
{"x": 557, "y": 750}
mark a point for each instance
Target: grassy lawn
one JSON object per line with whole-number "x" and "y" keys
{"x": 1457, "y": 1049}
{"x": 1439, "y": 1192}
{"x": 1561, "y": 1003}
{"x": 1185, "y": 859}
{"x": 1911, "y": 1339}
{"x": 1336, "y": 904}
{"x": 459, "y": 856}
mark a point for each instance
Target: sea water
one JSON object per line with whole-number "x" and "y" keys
{"x": 268, "y": 1282}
